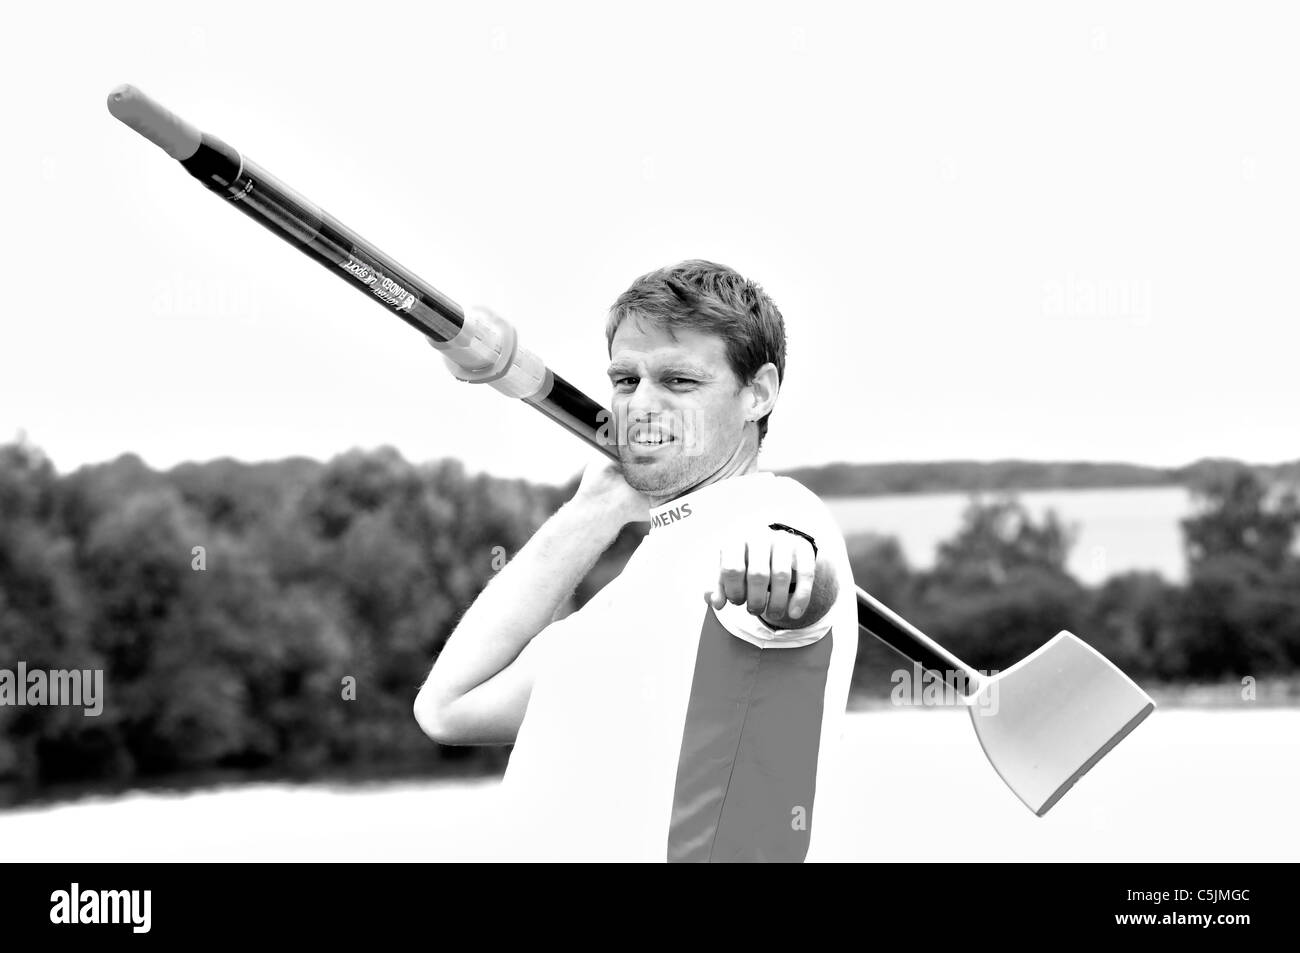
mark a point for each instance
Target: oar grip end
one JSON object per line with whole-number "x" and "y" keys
{"x": 163, "y": 128}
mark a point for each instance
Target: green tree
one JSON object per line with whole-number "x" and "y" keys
{"x": 1000, "y": 588}
{"x": 43, "y": 614}
{"x": 1238, "y": 513}
{"x": 1240, "y": 613}
{"x": 1238, "y": 617}
{"x": 998, "y": 537}
{"x": 880, "y": 567}
{"x": 1133, "y": 620}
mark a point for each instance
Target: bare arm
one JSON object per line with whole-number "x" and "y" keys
{"x": 478, "y": 689}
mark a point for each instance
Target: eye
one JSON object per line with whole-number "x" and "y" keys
{"x": 624, "y": 381}
{"x": 681, "y": 380}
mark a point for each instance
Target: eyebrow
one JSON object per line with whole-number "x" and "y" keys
{"x": 668, "y": 370}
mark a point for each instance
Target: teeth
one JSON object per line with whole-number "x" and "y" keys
{"x": 649, "y": 439}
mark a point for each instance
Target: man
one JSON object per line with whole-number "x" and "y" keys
{"x": 691, "y": 710}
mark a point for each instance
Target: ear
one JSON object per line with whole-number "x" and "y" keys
{"x": 762, "y": 392}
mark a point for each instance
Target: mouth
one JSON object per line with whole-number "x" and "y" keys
{"x": 649, "y": 438}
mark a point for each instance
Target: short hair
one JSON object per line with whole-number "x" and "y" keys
{"x": 712, "y": 298}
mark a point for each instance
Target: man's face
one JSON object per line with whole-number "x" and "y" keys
{"x": 678, "y": 406}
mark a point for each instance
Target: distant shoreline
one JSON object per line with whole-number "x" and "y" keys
{"x": 1009, "y": 476}
{"x": 835, "y": 479}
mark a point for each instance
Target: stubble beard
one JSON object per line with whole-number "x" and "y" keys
{"x": 664, "y": 479}
{"x": 660, "y": 478}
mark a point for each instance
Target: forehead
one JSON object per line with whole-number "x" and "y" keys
{"x": 640, "y": 339}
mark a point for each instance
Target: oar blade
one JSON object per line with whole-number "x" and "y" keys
{"x": 1044, "y": 722}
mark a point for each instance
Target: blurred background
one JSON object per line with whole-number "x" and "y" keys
{"x": 1036, "y": 270}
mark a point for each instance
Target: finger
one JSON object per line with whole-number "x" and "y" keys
{"x": 758, "y": 573}
{"x": 716, "y": 596}
{"x": 782, "y": 572}
{"x": 805, "y": 564}
{"x": 731, "y": 572}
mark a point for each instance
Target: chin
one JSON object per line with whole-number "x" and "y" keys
{"x": 646, "y": 478}
{"x": 651, "y": 476}
{"x": 660, "y": 478}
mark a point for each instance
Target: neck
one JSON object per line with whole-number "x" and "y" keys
{"x": 743, "y": 460}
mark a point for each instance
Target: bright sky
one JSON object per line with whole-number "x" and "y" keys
{"x": 993, "y": 230}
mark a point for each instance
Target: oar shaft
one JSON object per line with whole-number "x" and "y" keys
{"x": 906, "y": 639}
{"x": 478, "y": 347}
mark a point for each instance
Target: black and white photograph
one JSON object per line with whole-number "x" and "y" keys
{"x": 754, "y": 433}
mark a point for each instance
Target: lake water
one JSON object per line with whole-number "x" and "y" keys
{"x": 1118, "y": 529}
{"x": 1187, "y": 786}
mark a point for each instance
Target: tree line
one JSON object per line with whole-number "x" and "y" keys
{"x": 992, "y": 476}
{"x": 276, "y": 619}
{"x": 999, "y": 588}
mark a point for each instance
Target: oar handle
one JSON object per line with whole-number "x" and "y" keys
{"x": 479, "y": 346}
{"x": 165, "y": 129}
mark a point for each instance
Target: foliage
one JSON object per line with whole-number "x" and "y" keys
{"x": 313, "y": 574}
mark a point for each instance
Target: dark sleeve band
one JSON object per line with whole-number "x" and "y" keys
{"x": 791, "y": 529}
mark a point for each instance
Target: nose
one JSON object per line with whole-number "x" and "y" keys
{"x": 643, "y": 402}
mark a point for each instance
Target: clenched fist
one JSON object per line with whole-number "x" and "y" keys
{"x": 777, "y": 576}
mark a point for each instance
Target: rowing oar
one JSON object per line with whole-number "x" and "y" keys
{"x": 1043, "y": 722}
